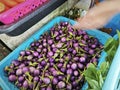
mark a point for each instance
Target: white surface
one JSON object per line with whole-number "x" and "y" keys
{"x": 83, "y": 4}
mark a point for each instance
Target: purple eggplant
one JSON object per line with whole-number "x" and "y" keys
{"x": 12, "y": 78}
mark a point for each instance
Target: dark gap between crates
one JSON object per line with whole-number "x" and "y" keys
{"x": 4, "y": 50}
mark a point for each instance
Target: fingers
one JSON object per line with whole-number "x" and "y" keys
{"x": 96, "y": 18}
{"x": 82, "y": 26}
{"x": 85, "y": 27}
{"x": 84, "y": 23}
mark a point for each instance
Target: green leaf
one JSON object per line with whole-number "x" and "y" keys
{"x": 104, "y": 68}
{"x": 95, "y": 77}
{"x": 91, "y": 65}
{"x": 110, "y": 56}
{"x": 118, "y": 32}
{"x": 108, "y": 44}
{"x": 92, "y": 83}
{"x": 100, "y": 79}
{"x": 112, "y": 49}
{"x": 95, "y": 89}
{"x": 91, "y": 72}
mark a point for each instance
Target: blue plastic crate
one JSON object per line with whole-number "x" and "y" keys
{"x": 112, "y": 81}
{"x": 6, "y": 85}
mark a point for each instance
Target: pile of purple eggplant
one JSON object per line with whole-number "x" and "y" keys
{"x": 56, "y": 61}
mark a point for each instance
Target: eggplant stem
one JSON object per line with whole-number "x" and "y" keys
{"x": 94, "y": 55}
{"x": 78, "y": 38}
{"x": 82, "y": 44}
{"x": 37, "y": 86}
{"x": 60, "y": 73}
{"x": 16, "y": 82}
{"x": 79, "y": 78}
{"x": 34, "y": 84}
{"x": 71, "y": 44}
{"x": 77, "y": 49}
{"x": 55, "y": 55}
{"x": 51, "y": 77}
{"x": 29, "y": 76}
{"x": 55, "y": 67}
{"x": 22, "y": 88}
{"x": 64, "y": 49}
{"x": 43, "y": 85}
{"x": 20, "y": 58}
{"x": 61, "y": 55}
{"x": 28, "y": 81}
{"x": 65, "y": 64}
{"x": 7, "y": 68}
{"x": 45, "y": 70}
{"x": 82, "y": 50}
{"x": 33, "y": 64}
{"x": 68, "y": 77}
{"x": 49, "y": 48}
{"x": 40, "y": 59}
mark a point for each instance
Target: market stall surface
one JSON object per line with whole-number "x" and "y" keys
{"x": 4, "y": 51}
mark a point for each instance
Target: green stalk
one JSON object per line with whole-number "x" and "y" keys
{"x": 55, "y": 55}
{"x": 64, "y": 46}
{"x": 66, "y": 61}
{"x": 16, "y": 82}
{"x": 22, "y": 88}
{"x": 57, "y": 60}
{"x": 40, "y": 59}
{"x": 55, "y": 67}
{"x": 68, "y": 77}
{"x": 79, "y": 78}
{"x": 20, "y": 58}
{"x": 71, "y": 44}
{"x": 45, "y": 70}
{"x": 58, "y": 51}
{"x": 65, "y": 64}
{"x": 61, "y": 54}
{"x": 77, "y": 49}
{"x": 64, "y": 49}
{"x": 60, "y": 73}
{"x": 37, "y": 86}
{"x": 29, "y": 77}
{"x": 28, "y": 80}
{"x": 68, "y": 39}
{"x": 82, "y": 44}
{"x": 33, "y": 64}
{"x": 48, "y": 48}
{"x": 82, "y": 50}
{"x": 46, "y": 60}
{"x": 94, "y": 55}
{"x": 51, "y": 77}
{"x": 78, "y": 38}
{"x": 43, "y": 85}
{"x": 71, "y": 34}
{"x": 7, "y": 69}
{"x": 79, "y": 71}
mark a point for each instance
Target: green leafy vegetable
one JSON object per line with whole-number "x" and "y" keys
{"x": 95, "y": 76}
{"x": 118, "y": 32}
{"x": 104, "y": 69}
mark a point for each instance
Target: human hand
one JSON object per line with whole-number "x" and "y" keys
{"x": 99, "y": 15}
